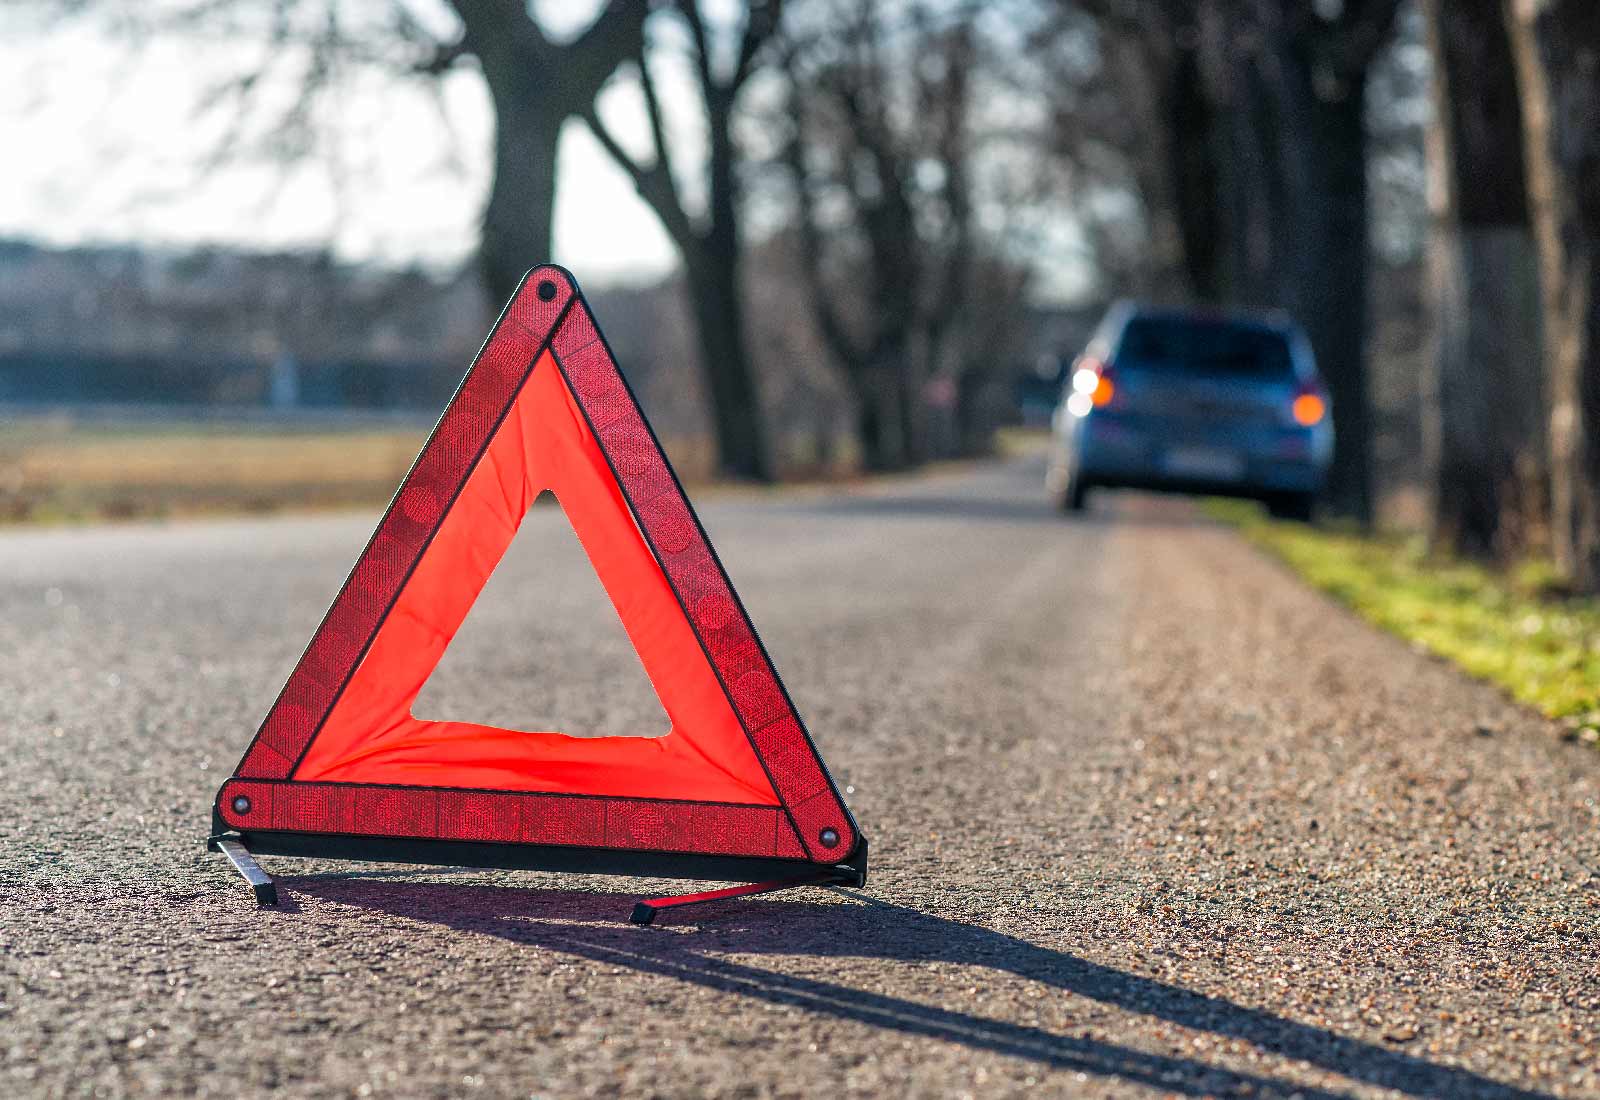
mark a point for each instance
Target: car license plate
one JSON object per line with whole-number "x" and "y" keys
{"x": 1204, "y": 462}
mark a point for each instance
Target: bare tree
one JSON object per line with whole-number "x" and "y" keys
{"x": 536, "y": 84}
{"x": 983, "y": 343}
{"x": 1483, "y": 386}
{"x": 880, "y": 169}
{"x": 710, "y": 244}
{"x": 1293, "y": 75}
{"x": 1138, "y": 114}
{"x": 1556, "y": 46}
{"x": 309, "y": 49}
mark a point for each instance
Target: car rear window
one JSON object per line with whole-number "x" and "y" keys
{"x": 1203, "y": 347}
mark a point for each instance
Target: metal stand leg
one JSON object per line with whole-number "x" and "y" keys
{"x": 243, "y": 862}
{"x": 645, "y": 911}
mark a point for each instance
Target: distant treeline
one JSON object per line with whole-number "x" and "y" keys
{"x": 225, "y": 329}
{"x": 65, "y": 379}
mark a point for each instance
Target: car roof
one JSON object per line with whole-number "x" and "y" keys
{"x": 1108, "y": 336}
{"x": 1267, "y": 321}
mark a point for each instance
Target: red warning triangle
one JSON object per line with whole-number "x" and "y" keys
{"x": 342, "y": 768}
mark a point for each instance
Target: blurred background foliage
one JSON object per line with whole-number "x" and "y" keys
{"x": 825, "y": 236}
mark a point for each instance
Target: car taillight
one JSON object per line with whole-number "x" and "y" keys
{"x": 1310, "y": 405}
{"x": 1104, "y": 388}
{"x": 1092, "y": 387}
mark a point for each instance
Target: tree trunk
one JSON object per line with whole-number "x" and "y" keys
{"x": 877, "y": 427}
{"x": 517, "y": 220}
{"x": 527, "y": 130}
{"x": 712, "y": 263}
{"x": 870, "y": 436}
{"x": 974, "y": 424}
{"x": 1191, "y": 145}
{"x": 1290, "y": 89}
{"x": 824, "y": 445}
{"x": 1153, "y": 71}
{"x": 1483, "y": 392}
{"x": 1249, "y": 158}
{"x": 1556, "y": 44}
{"x": 535, "y": 85}
{"x": 725, "y": 363}
{"x": 908, "y": 403}
{"x": 1324, "y": 264}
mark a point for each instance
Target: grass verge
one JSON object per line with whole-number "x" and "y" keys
{"x": 1502, "y": 627}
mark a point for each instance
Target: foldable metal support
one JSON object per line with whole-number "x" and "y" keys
{"x": 243, "y": 862}
{"x": 241, "y": 849}
{"x": 645, "y": 911}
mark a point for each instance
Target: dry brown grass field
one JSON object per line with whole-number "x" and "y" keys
{"x": 55, "y": 470}
{"x": 60, "y": 470}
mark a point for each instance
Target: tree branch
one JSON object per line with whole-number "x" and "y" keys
{"x": 954, "y": 151}
{"x": 616, "y": 32}
{"x": 651, "y": 183}
{"x": 829, "y": 323}
{"x": 690, "y": 10}
{"x": 500, "y": 26}
{"x": 658, "y": 129}
{"x": 760, "y": 24}
{"x": 443, "y": 58}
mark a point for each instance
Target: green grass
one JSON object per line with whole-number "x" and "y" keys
{"x": 1506, "y": 628}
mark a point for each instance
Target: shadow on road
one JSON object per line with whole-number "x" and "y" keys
{"x": 1123, "y": 512}
{"x": 590, "y": 925}
{"x": 1002, "y": 509}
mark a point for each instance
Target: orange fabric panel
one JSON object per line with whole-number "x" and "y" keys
{"x": 370, "y": 736}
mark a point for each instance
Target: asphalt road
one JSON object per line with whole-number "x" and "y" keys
{"x": 1147, "y": 818}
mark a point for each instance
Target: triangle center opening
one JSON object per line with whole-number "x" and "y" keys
{"x": 542, "y": 648}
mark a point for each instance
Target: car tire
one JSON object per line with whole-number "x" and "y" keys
{"x": 1296, "y": 507}
{"x": 1075, "y": 498}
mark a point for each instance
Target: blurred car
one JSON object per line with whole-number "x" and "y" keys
{"x": 1195, "y": 402}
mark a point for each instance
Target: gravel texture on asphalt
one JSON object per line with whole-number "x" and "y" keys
{"x": 1147, "y": 818}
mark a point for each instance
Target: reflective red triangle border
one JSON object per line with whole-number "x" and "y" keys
{"x": 274, "y": 813}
